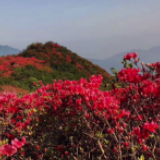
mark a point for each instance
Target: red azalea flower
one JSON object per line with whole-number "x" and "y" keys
{"x": 152, "y": 127}
{"x": 18, "y": 144}
{"x": 9, "y": 150}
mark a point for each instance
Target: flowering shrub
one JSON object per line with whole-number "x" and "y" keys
{"x": 10, "y": 150}
{"x": 68, "y": 59}
{"x": 12, "y": 89}
{"x": 76, "y": 120}
{"x": 61, "y": 59}
{"x": 9, "y": 63}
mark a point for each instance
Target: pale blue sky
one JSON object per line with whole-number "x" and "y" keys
{"x": 92, "y": 28}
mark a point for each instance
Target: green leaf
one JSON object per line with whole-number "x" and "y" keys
{"x": 113, "y": 70}
{"x": 133, "y": 149}
{"x": 142, "y": 157}
{"x": 117, "y": 85}
{"x": 98, "y": 135}
{"x": 34, "y": 110}
{"x": 66, "y": 129}
{"x": 152, "y": 135}
{"x": 158, "y": 137}
{"x": 130, "y": 65}
{"x": 81, "y": 149}
{"x": 106, "y": 141}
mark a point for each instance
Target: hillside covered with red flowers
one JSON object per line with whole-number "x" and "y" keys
{"x": 45, "y": 62}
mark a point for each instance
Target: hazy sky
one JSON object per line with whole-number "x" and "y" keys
{"x": 91, "y": 28}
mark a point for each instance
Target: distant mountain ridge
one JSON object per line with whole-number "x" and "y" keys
{"x": 7, "y": 50}
{"x": 148, "y": 56}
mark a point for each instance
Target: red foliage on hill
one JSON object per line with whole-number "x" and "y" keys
{"x": 9, "y": 63}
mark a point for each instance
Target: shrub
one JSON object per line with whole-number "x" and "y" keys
{"x": 76, "y": 120}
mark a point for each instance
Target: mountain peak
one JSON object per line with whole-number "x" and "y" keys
{"x": 7, "y": 50}
{"x": 148, "y": 56}
{"x": 64, "y": 60}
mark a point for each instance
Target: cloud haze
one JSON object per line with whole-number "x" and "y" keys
{"x": 92, "y": 28}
